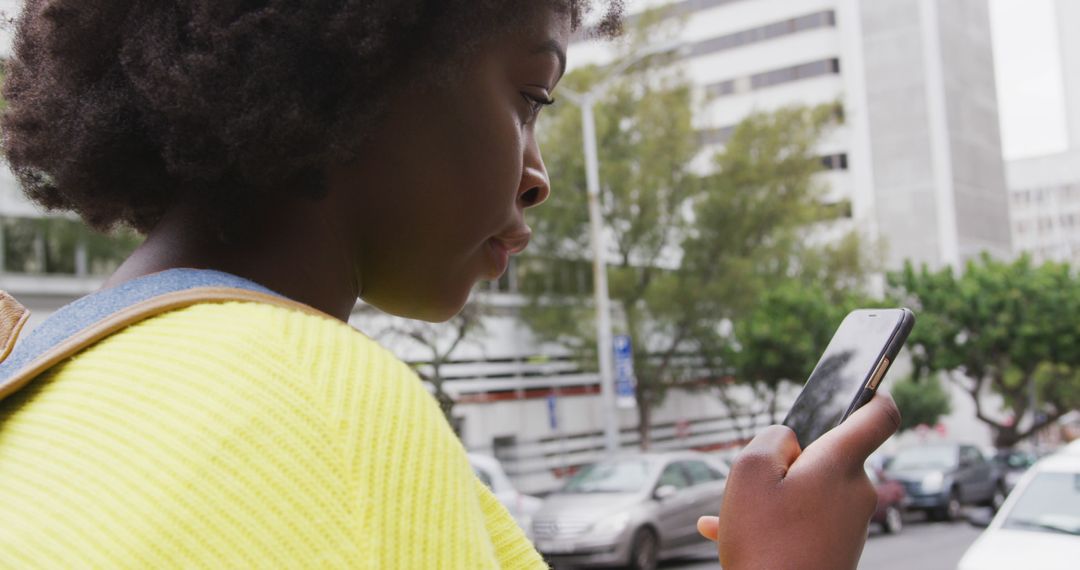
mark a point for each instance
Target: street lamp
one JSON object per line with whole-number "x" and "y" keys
{"x": 604, "y": 345}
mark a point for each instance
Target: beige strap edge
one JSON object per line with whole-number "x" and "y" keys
{"x": 135, "y": 313}
{"x": 13, "y": 334}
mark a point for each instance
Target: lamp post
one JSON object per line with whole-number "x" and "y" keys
{"x": 604, "y": 346}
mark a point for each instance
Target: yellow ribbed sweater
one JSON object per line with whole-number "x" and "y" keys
{"x": 241, "y": 435}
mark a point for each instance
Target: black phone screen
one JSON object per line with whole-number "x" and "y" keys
{"x": 850, "y": 358}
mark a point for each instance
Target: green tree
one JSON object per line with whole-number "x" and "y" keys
{"x": 921, "y": 402}
{"x": 758, "y": 255}
{"x": 1004, "y": 327}
{"x": 646, "y": 142}
{"x": 779, "y": 341}
{"x": 688, "y": 252}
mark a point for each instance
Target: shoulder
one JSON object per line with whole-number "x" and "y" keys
{"x": 250, "y": 330}
{"x": 265, "y": 348}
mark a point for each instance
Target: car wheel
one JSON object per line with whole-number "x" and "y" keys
{"x": 894, "y": 520}
{"x": 646, "y": 550}
{"x": 953, "y": 506}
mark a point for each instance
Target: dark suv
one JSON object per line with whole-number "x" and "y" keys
{"x": 941, "y": 478}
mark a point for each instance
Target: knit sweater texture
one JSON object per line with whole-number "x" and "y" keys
{"x": 241, "y": 435}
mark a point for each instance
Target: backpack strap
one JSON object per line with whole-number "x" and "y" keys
{"x": 90, "y": 319}
{"x": 13, "y": 317}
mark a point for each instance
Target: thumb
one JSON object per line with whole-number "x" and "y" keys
{"x": 709, "y": 527}
{"x": 852, "y": 442}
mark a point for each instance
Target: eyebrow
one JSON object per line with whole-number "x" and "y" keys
{"x": 553, "y": 47}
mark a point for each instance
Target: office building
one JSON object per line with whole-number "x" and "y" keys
{"x": 918, "y": 157}
{"x": 1045, "y": 189}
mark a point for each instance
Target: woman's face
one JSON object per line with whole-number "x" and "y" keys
{"x": 437, "y": 199}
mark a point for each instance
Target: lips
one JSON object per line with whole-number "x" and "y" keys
{"x": 514, "y": 242}
{"x": 504, "y": 245}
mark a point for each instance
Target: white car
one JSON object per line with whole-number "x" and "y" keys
{"x": 1039, "y": 524}
{"x": 522, "y": 507}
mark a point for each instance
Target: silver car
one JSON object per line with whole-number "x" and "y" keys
{"x": 630, "y": 510}
{"x": 521, "y": 506}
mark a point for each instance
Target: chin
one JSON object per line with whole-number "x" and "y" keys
{"x": 433, "y": 307}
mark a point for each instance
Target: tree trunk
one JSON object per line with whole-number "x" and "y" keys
{"x": 1005, "y": 437}
{"x": 773, "y": 396}
{"x": 644, "y": 423}
{"x": 446, "y": 403}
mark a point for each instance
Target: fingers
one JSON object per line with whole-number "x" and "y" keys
{"x": 771, "y": 451}
{"x": 709, "y": 527}
{"x": 863, "y": 432}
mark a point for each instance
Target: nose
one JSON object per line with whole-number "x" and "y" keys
{"x": 535, "y": 186}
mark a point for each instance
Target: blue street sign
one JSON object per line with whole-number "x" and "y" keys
{"x": 553, "y": 415}
{"x": 624, "y": 372}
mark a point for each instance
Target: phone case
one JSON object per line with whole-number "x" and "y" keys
{"x": 884, "y": 360}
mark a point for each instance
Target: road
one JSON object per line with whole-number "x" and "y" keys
{"x": 922, "y": 545}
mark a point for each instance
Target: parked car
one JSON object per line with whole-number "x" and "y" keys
{"x": 891, "y": 501}
{"x": 630, "y": 510}
{"x": 1039, "y": 524}
{"x": 522, "y": 507}
{"x": 1013, "y": 464}
{"x": 940, "y": 478}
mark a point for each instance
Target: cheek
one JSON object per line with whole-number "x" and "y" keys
{"x": 490, "y": 164}
{"x": 435, "y": 188}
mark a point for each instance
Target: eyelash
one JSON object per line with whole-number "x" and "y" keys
{"x": 536, "y": 104}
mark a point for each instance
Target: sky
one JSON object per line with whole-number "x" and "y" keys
{"x": 1031, "y": 96}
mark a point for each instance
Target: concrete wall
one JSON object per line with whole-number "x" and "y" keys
{"x": 939, "y": 182}
{"x": 899, "y": 118}
{"x": 971, "y": 112}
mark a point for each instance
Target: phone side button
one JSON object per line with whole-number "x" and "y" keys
{"x": 878, "y": 373}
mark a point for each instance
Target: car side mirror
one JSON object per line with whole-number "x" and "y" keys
{"x": 979, "y": 518}
{"x": 664, "y": 491}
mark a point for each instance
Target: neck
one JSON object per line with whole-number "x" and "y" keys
{"x": 292, "y": 251}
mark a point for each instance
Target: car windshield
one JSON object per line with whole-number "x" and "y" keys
{"x": 1015, "y": 460}
{"x": 1050, "y": 503}
{"x": 626, "y": 476}
{"x": 924, "y": 458}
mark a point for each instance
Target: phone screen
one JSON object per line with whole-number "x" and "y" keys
{"x": 839, "y": 377}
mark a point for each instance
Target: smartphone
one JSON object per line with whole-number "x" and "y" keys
{"x": 848, "y": 373}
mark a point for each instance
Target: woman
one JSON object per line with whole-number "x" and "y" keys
{"x": 326, "y": 150}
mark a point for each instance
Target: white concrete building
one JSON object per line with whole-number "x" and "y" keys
{"x": 918, "y": 156}
{"x": 1045, "y": 190}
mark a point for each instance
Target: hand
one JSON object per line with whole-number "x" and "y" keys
{"x": 788, "y": 508}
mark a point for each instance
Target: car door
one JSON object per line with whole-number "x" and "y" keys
{"x": 706, "y": 489}
{"x": 967, "y": 476}
{"x": 982, "y": 475}
{"x": 672, "y": 510}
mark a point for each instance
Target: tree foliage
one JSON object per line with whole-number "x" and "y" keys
{"x": 921, "y": 402}
{"x": 689, "y": 252}
{"x": 780, "y": 339}
{"x": 1004, "y": 327}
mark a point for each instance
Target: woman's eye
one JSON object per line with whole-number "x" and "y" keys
{"x": 536, "y": 104}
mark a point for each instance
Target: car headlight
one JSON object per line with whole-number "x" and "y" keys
{"x": 933, "y": 482}
{"x": 613, "y": 524}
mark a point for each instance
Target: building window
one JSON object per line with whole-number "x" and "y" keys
{"x": 720, "y": 89}
{"x": 779, "y": 76}
{"x": 826, "y": 19}
{"x": 684, "y": 8}
{"x": 835, "y": 161}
